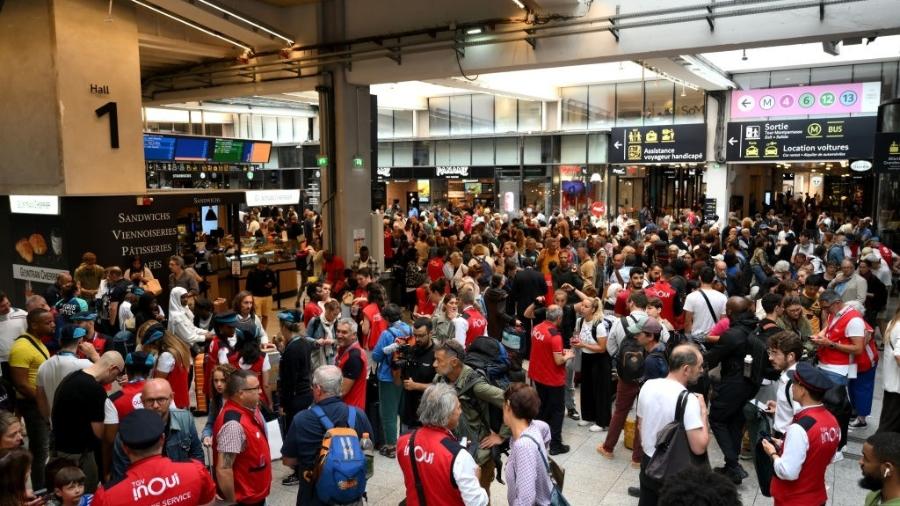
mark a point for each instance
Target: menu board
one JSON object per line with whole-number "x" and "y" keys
{"x": 159, "y": 148}
{"x": 191, "y": 148}
{"x": 228, "y": 150}
{"x": 257, "y": 152}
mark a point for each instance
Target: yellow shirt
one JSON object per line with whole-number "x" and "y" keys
{"x": 25, "y": 354}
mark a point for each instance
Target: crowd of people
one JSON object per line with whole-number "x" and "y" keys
{"x": 460, "y": 354}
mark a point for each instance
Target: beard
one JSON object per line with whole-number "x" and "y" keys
{"x": 869, "y": 483}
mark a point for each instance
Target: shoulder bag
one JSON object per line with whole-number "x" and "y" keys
{"x": 673, "y": 451}
{"x": 557, "y": 475}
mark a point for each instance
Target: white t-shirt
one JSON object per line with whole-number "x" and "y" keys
{"x": 586, "y": 334}
{"x": 110, "y": 415}
{"x": 785, "y": 407}
{"x": 51, "y": 373}
{"x": 856, "y": 327}
{"x": 12, "y": 325}
{"x": 166, "y": 362}
{"x": 889, "y": 366}
{"x": 124, "y": 315}
{"x": 656, "y": 408}
{"x": 703, "y": 320}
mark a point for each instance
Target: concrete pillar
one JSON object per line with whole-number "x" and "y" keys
{"x": 346, "y": 133}
{"x": 63, "y": 60}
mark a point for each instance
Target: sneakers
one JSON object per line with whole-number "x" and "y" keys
{"x": 573, "y": 414}
{"x": 291, "y": 480}
{"x": 596, "y": 428}
{"x": 858, "y": 424}
{"x": 602, "y": 451}
{"x": 583, "y": 423}
{"x": 634, "y": 491}
{"x": 557, "y": 448}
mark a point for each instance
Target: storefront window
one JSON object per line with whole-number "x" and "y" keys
{"x": 403, "y": 123}
{"x": 505, "y": 114}
{"x": 422, "y": 154}
{"x": 439, "y": 116}
{"x": 533, "y": 150}
{"x": 597, "y": 148}
{"x": 385, "y": 154}
{"x": 482, "y": 151}
{"x": 442, "y": 153}
{"x": 889, "y": 78}
{"x": 832, "y": 75}
{"x": 690, "y": 108}
{"x": 782, "y": 78}
{"x": 574, "y": 103}
{"x": 403, "y": 154}
{"x": 602, "y": 106}
{"x": 658, "y": 102}
{"x": 573, "y": 149}
{"x": 385, "y": 124}
{"x": 629, "y": 104}
{"x": 507, "y": 151}
{"x": 529, "y": 116}
{"x": 460, "y": 152}
{"x": 461, "y": 115}
{"x": 482, "y": 114}
{"x": 752, "y": 81}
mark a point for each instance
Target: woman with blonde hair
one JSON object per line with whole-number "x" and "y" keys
{"x": 10, "y": 431}
{"x": 596, "y": 367}
{"x": 890, "y": 404}
{"x": 173, "y": 359}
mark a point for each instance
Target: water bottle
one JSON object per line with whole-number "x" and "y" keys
{"x": 368, "y": 449}
{"x": 748, "y": 366}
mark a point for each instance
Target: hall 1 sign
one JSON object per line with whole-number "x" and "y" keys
{"x": 801, "y": 140}
{"x": 658, "y": 144}
{"x": 887, "y": 152}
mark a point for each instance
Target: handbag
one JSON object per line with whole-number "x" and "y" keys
{"x": 153, "y": 286}
{"x": 556, "y": 473}
{"x": 673, "y": 452}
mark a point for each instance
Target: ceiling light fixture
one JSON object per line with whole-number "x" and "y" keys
{"x": 744, "y": 56}
{"x": 683, "y": 94}
{"x": 474, "y": 31}
{"x": 519, "y": 4}
{"x": 245, "y": 20}
{"x": 192, "y": 25}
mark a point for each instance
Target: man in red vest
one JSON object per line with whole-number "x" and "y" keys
{"x": 475, "y": 321}
{"x": 548, "y": 371}
{"x": 437, "y": 470}
{"x": 243, "y": 463}
{"x": 842, "y": 337}
{"x": 810, "y": 443}
{"x": 353, "y": 362}
{"x": 151, "y": 478}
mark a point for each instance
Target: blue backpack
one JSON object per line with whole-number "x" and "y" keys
{"x": 340, "y": 475}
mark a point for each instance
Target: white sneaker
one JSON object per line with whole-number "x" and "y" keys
{"x": 583, "y": 423}
{"x": 597, "y": 428}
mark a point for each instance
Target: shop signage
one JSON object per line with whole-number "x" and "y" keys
{"x": 887, "y": 152}
{"x": 34, "y": 204}
{"x": 806, "y": 100}
{"x": 36, "y": 274}
{"x": 660, "y": 144}
{"x": 384, "y": 172}
{"x": 273, "y": 197}
{"x": 598, "y": 209}
{"x": 861, "y": 165}
{"x": 807, "y": 139}
{"x": 451, "y": 171}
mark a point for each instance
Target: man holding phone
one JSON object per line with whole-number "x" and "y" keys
{"x": 548, "y": 371}
{"x": 785, "y": 349}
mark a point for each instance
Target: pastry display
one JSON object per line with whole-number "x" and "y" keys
{"x": 24, "y": 249}
{"x": 38, "y": 244}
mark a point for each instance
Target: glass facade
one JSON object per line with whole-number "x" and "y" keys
{"x": 462, "y": 115}
{"x": 603, "y": 106}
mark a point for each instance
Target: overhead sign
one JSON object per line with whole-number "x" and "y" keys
{"x": 887, "y": 152}
{"x": 659, "y": 144}
{"x": 272, "y": 197}
{"x": 806, "y": 100}
{"x": 34, "y": 204}
{"x": 808, "y": 139}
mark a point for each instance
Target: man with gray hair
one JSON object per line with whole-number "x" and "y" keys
{"x": 304, "y": 438}
{"x": 548, "y": 371}
{"x": 352, "y": 360}
{"x": 842, "y": 337}
{"x": 438, "y": 470}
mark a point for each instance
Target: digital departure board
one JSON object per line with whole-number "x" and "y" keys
{"x": 191, "y": 148}
{"x": 159, "y": 148}
{"x": 228, "y": 151}
{"x": 257, "y": 152}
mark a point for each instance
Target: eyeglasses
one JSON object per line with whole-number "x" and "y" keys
{"x": 251, "y": 389}
{"x": 156, "y": 400}
{"x": 418, "y": 335}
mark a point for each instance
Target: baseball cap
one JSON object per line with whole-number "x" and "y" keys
{"x": 290, "y": 316}
{"x": 141, "y": 429}
{"x": 645, "y": 324}
{"x": 811, "y": 378}
{"x": 226, "y": 318}
{"x": 84, "y": 316}
{"x": 71, "y": 333}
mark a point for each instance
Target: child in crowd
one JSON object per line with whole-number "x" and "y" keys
{"x": 68, "y": 488}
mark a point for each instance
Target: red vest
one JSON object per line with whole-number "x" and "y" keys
{"x": 887, "y": 254}
{"x": 664, "y": 291}
{"x": 435, "y": 269}
{"x": 256, "y": 368}
{"x": 477, "y": 324}
{"x": 128, "y": 398}
{"x": 824, "y": 435}
{"x": 357, "y": 394}
{"x": 158, "y": 480}
{"x": 424, "y": 304}
{"x": 835, "y": 331}
{"x": 253, "y": 466}
{"x": 178, "y": 379}
{"x": 435, "y": 452}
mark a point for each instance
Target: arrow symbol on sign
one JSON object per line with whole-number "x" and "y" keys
{"x": 732, "y": 141}
{"x": 617, "y": 144}
{"x": 746, "y": 103}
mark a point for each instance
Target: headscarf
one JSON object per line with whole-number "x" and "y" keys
{"x": 176, "y": 308}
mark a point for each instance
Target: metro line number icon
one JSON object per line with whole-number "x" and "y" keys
{"x": 767, "y": 102}
{"x": 848, "y": 98}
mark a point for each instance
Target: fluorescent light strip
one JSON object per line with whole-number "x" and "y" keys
{"x": 245, "y": 20}
{"x": 519, "y": 4}
{"x": 192, "y": 25}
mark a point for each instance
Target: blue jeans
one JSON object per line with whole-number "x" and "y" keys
{"x": 759, "y": 273}
{"x": 835, "y": 378}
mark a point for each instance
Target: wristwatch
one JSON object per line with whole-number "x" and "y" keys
{"x": 832, "y": 344}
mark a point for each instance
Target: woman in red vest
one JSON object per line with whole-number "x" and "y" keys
{"x": 250, "y": 358}
{"x": 173, "y": 359}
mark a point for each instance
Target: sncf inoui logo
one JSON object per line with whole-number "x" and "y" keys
{"x": 154, "y": 486}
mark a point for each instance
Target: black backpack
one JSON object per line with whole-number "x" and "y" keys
{"x": 630, "y": 363}
{"x": 757, "y": 347}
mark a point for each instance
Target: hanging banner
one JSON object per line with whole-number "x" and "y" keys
{"x": 804, "y": 139}
{"x": 826, "y": 99}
